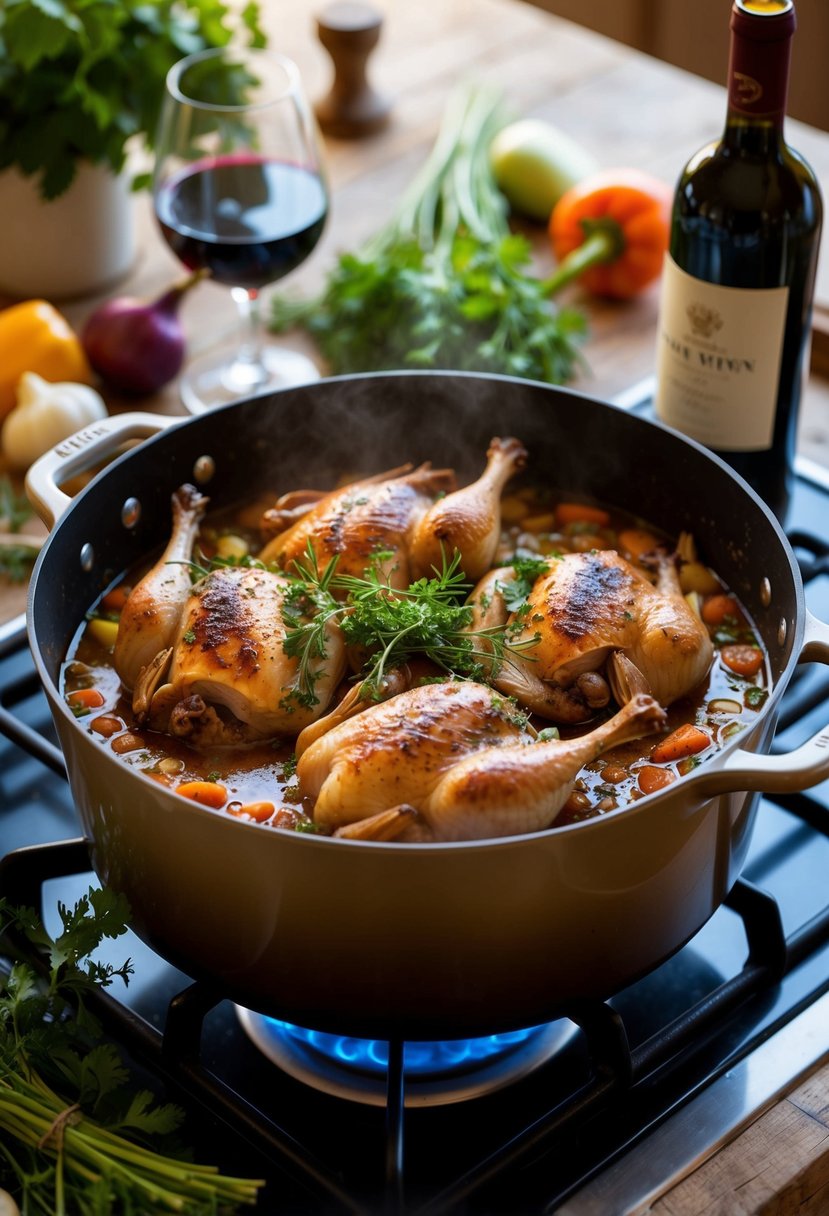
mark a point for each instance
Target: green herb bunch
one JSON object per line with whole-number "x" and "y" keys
{"x": 75, "y": 1133}
{"x": 80, "y": 78}
{"x": 445, "y": 284}
{"x": 17, "y": 551}
{"x": 430, "y": 618}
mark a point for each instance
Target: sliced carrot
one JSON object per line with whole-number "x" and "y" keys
{"x": 650, "y": 778}
{"x": 580, "y": 512}
{"x": 742, "y": 659}
{"x": 85, "y": 698}
{"x": 717, "y": 607}
{"x": 161, "y": 778}
{"x": 128, "y": 742}
{"x": 115, "y": 599}
{"x": 637, "y": 541}
{"x": 258, "y": 811}
{"x": 208, "y": 793}
{"x": 106, "y": 725}
{"x": 686, "y": 740}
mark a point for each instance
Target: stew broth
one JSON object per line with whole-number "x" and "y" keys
{"x": 258, "y": 781}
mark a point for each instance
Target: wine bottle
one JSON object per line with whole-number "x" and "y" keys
{"x": 736, "y": 297}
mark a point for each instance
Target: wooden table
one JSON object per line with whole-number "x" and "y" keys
{"x": 628, "y": 110}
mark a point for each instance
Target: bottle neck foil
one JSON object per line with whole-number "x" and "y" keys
{"x": 759, "y": 57}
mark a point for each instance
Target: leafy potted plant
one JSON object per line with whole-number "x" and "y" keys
{"x": 81, "y": 82}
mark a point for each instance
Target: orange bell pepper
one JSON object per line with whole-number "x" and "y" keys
{"x": 35, "y": 337}
{"x": 611, "y": 232}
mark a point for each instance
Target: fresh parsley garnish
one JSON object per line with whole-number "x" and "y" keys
{"x": 429, "y": 618}
{"x": 528, "y": 570}
{"x": 74, "y": 1130}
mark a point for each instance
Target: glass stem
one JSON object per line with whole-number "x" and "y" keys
{"x": 248, "y": 366}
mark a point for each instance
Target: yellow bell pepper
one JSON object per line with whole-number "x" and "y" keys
{"x": 35, "y": 337}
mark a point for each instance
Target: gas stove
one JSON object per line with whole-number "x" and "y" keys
{"x": 594, "y": 1115}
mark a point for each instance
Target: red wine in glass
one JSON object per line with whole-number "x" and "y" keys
{"x": 239, "y": 191}
{"x": 246, "y": 219}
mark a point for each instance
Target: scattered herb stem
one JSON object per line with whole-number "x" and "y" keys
{"x": 67, "y": 1108}
{"x": 444, "y": 284}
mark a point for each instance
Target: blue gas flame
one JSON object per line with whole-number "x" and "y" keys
{"x": 422, "y": 1059}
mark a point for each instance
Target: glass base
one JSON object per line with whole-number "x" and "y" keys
{"x": 219, "y": 378}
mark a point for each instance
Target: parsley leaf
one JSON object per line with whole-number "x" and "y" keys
{"x": 80, "y": 78}
{"x": 430, "y": 617}
{"x": 527, "y": 570}
{"x": 56, "y": 1073}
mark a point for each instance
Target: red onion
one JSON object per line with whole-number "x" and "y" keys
{"x": 137, "y": 346}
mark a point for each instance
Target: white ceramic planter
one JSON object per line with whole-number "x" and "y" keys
{"x": 80, "y": 242}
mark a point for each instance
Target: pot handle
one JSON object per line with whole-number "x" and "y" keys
{"x": 81, "y": 452}
{"x": 797, "y": 770}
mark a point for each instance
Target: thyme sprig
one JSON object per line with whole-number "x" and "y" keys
{"x": 307, "y": 609}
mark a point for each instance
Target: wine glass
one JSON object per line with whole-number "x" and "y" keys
{"x": 239, "y": 191}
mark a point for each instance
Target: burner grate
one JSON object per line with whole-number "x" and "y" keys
{"x": 614, "y": 1069}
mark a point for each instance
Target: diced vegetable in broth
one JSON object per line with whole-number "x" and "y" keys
{"x": 257, "y": 780}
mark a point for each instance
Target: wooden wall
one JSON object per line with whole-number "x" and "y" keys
{"x": 695, "y": 35}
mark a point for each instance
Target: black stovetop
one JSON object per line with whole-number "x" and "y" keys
{"x": 529, "y": 1147}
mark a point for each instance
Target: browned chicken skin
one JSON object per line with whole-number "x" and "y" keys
{"x": 455, "y": 759}
{"x": 415, "y": 516}
{"x": 586, "y": 607}
{"x": 228, "y": 656}
{"x": 206, "y": 662}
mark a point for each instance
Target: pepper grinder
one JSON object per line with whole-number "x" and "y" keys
{"x": 349, "y": 30}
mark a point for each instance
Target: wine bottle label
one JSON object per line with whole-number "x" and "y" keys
{"x": 718, "y": 360}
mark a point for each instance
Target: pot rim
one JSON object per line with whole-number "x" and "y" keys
{"x": 643, "y": 805}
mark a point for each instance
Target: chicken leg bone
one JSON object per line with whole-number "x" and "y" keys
{"x": 505, "y": 791}
{"x": 150, "y": 617}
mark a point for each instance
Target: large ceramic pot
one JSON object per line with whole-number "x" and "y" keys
{"x": 80, "y": 242}
{"x": 428, "y": 940}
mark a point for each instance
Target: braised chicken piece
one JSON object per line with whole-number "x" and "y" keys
{"x": 226, "y": 678}
{"x": 584, "y": 609}
{"x": 451, "y": 761}
{"x": 414, "y": 516}
{"x": 150, "y": 618}
{"x": 206, "y": 662}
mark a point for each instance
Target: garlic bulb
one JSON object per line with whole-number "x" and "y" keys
{"x": 45, "y": 414}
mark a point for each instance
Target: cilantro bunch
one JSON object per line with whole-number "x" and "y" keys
{"x": 446, "y": 283}
{"x": 75, "y": 1133}
{"x": 80, "y": 78}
